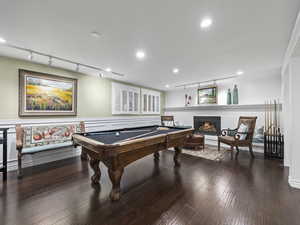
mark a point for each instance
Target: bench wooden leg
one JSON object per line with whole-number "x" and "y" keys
{"x": 20, "y": 172}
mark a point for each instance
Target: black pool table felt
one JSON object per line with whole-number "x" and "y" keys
{"x": 111, "y": 137}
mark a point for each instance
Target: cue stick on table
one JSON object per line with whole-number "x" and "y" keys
{"x": 138, "y": 136}
{"x": 113, "y": 132}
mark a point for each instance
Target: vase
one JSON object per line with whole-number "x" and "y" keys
{"x": 235, "y": 97}
{"x": 229, "y": 97}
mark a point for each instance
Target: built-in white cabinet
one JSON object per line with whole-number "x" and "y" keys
{"x": 150, "y": 101}
{"x": 125, "y": 99}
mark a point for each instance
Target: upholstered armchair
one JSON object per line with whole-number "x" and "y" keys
{"x": 242, "y": 136}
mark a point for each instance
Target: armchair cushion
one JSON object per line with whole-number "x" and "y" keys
{"x": 227, "y": 139}
{"x": 242, "y": 131}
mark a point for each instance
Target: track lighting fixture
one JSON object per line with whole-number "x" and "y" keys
{"x": 51, "y": 57}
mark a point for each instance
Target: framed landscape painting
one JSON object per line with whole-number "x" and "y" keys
{"x": 207, "y": 95}
{"x": 43, "y": 94}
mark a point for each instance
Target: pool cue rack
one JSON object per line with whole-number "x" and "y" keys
{"x": 273, "y": 138}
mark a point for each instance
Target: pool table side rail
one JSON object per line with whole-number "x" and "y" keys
{"x": 142, "y": 139}
{"x": 132, "y": 128}
{"x": 166, "y": 140}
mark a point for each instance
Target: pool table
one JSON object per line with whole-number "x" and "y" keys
{"x": 118, "y": 148}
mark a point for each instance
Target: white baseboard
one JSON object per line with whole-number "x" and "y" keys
{"x": 295, "y": 183}
{"x": 44, "y": 157}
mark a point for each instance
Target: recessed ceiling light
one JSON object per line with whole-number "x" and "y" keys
{"x": 108, "y": 69}
{"x": 240, "y": 72}
{"x": 206, "y": 22}
{"x": 140, "y": 54}
{"x": 95, "y": 34}
{"x": 167, "y": 86}
{"x": 175, "y": 70}
{"x": 2, "y": 40}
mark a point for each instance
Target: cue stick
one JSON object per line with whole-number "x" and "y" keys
{"x": 131, "y": 138}
{"x": 265, "y": 117}
{"x": 113, "y": 132}
{"x": 132, "y": 131}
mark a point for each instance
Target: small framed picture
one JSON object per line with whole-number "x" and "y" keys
{"x": 207, "y": 95}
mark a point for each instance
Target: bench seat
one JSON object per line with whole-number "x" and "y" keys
{"x": 36, "y": 149}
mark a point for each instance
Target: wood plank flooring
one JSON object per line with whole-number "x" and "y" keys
{"x": 232, "y": 192}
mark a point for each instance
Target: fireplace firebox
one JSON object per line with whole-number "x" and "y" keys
{"x": 210, "y": 125}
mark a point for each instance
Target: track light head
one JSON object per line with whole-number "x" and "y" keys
{"x": 77, "y": 67}
{"x": 30, "y": 56}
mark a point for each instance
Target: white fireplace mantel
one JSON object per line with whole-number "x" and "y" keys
{"x": 253, "y": 107}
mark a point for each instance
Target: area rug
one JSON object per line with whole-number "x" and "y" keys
{"x": 210, "y": 152}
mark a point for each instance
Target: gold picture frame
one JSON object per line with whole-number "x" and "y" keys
{"x": 42, "y": 94}
{"x": 208, "y": 95}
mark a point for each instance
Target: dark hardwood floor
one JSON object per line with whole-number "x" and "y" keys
{"x": 243, "y": 191}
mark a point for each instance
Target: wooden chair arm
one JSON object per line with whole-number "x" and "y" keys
{"x": 237, "y": 135}
{"x": 224, "y": 132}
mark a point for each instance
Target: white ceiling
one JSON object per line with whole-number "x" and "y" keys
{"x": 248, "y": 35}
{"x": 296, "y": 52}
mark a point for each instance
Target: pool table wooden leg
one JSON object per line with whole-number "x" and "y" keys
{"x": 176, "y": 155}
{"x": 84, "y": 155}
{"x": 115, "y": 176}
{"x": 94, "y": 163}
{"x": 156, "y": 156}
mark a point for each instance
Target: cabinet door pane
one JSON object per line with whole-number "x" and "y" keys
{"x": 124, "y": 101}
{"x": 145, "y": 103}
{"x": 149, "y": 103}
{"x": 136, "y": 102}
{"x": 130, "y": 101}
{"x": 157, "y": 104}
{"x": 153, "y": 103}
{"x": 117, "y": 103}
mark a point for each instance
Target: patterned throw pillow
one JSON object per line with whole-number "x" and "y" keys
{"x": 243, "y": 129}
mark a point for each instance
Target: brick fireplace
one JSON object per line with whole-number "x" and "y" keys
{"x": 210, "y": 125}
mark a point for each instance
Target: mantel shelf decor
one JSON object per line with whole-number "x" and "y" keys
{"x": 250, "y": 107}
